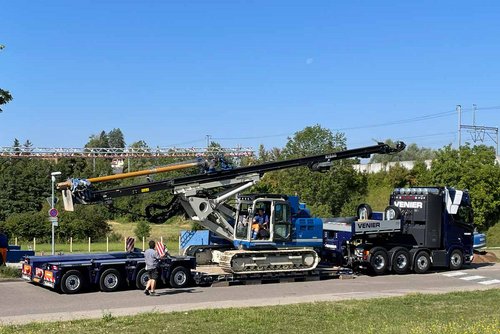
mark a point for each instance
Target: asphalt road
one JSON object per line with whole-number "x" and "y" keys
{"x": 22, "y": 302}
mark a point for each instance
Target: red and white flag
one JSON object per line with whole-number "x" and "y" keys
{"x": 160, "y": 248}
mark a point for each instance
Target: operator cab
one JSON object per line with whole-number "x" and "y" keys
{"x": 262, "y": 220}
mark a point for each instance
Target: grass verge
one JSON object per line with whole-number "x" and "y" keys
{"x": 464, "y": 312}
{"x": 9, "y": 272}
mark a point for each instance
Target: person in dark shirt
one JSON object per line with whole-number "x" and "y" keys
{"x": 4, "y": 244}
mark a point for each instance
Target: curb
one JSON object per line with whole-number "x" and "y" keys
{"x": 9, "y": 280}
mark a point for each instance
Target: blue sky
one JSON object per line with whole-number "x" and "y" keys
{"x": 246, "y": 72}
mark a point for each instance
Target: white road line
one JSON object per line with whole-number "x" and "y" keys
{"x": 454, "y": 274}
{"x": 471, "y": 278}
{"x": 493, "y": 281}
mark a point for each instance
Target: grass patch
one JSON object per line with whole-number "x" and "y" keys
{"x": 169, "y": 232}
{"x": 9, "y": 272}
{"x": 464, "y": 312}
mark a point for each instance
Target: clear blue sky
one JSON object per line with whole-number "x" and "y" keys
{"x": 246, "y": 72}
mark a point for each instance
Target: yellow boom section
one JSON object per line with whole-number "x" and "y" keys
{"x": 67, "y": 184}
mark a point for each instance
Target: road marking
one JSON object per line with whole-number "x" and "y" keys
{"x": 493, "y": 281}
{"x": 457, "y": 273}
{"x": 471, "y": 278}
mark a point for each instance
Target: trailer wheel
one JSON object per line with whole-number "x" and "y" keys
{"x": 72, "y": 282}
{"x": 456, "y": 259}
{"x": 142, "y": 279}
{"x": 180, "y": 277}
{"x": 422, "y": 262}
{"x": 364, "y": 211}
{"x": 379, "y": 261}
{"x": 401, "y": 261}
{"x": 111, "y": 280}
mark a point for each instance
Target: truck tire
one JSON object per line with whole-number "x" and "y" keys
{"x": 142, "y": 279}
{"x": 180, "y": 277}
{"x": 72, "y": 282}
{"x": 456, "y": 259}
{"x": 110, "y": 280}
{"x": 364, "y": 211}
{"x": 401, "y": 261}
{"x": 379, "y": 261}
{"x": 422, "y": 262}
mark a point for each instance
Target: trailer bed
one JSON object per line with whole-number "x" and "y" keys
{"x": 213, "y": 275}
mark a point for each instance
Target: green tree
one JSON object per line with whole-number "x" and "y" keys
{"x": 98, "y": 141}
{"x": 5, "y": 96}
{"x": 325, "y": 193}
{"x": 142, "y": 229}
{"x": 412, "y": 152}
{"x": 473, "y": 168}
{"x": 116, "y": 138}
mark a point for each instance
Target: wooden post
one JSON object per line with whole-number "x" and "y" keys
{"x": 71, "y": 244}
{"x": 107, "y": 244}
{"x": 125, "y": 243}
{"x": 89, "y": 244}
{"x": 34, "y": 244}
{"x": 143, "y": 244}
{"x": 15, "y": 242}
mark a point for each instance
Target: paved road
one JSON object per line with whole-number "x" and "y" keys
{"x": 23, "y": 302}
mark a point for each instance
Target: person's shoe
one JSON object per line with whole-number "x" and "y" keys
{"x": 153, "y": 293}
{"x": 146, "y": 292}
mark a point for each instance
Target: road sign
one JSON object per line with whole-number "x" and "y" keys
{"x": 53, "y": 212}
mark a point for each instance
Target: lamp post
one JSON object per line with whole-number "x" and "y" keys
{"x": 53, "y": 211}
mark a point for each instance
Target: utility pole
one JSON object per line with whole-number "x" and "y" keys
{"x": 208, "y": 140}
{"x": 53, "y": 212}
{"x": 478, "y": 133}
{"x": 459, "y": 110}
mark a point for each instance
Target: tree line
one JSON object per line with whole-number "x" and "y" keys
{"x": 25, "y": 183}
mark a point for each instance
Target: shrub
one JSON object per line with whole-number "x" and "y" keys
{"x": 142, "y": 230}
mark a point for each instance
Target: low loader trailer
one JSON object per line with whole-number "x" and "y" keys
{"x": 107, "y": 272}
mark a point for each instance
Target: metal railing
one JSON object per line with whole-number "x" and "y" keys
{"x": 128, "y": 152}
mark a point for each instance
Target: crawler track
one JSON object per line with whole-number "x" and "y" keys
{"x": 269, "y": 261}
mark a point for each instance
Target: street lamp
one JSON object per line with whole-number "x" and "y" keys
{"x": 53, "y": 212}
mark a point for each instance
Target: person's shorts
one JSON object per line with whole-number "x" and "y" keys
{"x": 153, "y": 274}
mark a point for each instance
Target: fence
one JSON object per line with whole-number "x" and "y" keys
{"x": 88, "y": 246}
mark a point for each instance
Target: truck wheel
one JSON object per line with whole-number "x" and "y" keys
{"x": 379, "y": 261}
{"x": 422, "y": 262}
{"x": 142, "y": 279}
{"x": 180, "y": 277}
{"x": 401, "y": 261}
{"x": 456, "y": 259}
{"x": 364, "y": 211}
{"x": 72, "y": 282}
{"x": 111, "y": 280}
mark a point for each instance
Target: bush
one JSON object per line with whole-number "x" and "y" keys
{"x": 142, "y": 230}
{"x": 85, "y": 222}
{"x": 493, "y": 236}
{"x": 9, "y": 272}
{"x": 28, "y": 225}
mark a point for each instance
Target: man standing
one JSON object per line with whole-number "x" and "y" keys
{"x": 152, "y": 258}
{"x": 4, "y": 244}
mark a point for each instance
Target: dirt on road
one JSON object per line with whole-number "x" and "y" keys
{"x": 485, "y": 257}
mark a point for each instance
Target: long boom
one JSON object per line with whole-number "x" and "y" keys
{"x": 316, "y": 162}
